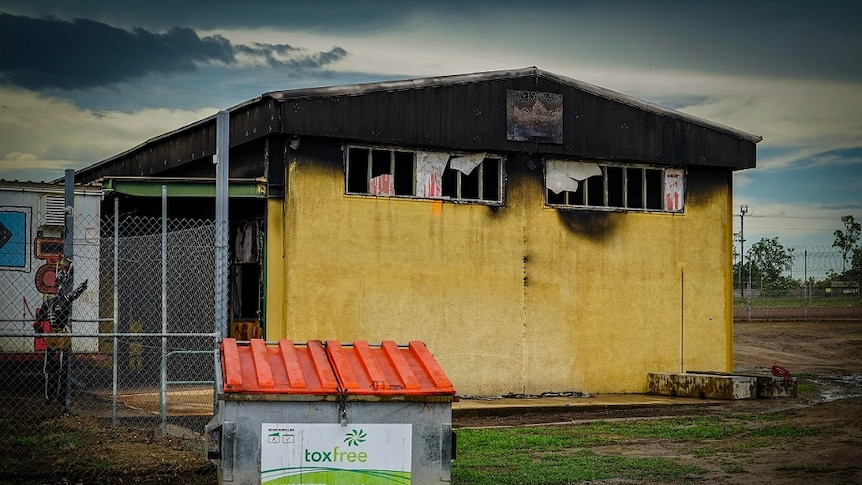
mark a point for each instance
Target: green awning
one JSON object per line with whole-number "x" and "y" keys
{"x": 184, "y": 187}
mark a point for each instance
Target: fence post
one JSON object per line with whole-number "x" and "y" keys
{"x": 222, "y": 161}
{"x": 163, "y": 394}
{"x": 222, "y": 217}
{"x": 114, "y": 377}
{"x": 807, "y": 283}
{"x": 68, "y": 252}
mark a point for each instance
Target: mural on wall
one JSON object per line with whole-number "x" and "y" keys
{"x": 50, "y": 250}
{"x": 32, "y": 218}
{"x": 14, "y": 226}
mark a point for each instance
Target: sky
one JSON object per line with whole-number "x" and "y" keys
{"x": 81, "y": 81}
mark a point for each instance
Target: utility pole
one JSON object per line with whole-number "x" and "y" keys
{"x": 790, "y": 250}
{"x": 743, "y": 209}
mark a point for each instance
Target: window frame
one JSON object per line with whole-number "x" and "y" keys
{"x": 456, "y": 194}
{"x": 617, "y": 198}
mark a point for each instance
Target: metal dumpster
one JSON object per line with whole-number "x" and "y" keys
{"x": 331, "y": 413}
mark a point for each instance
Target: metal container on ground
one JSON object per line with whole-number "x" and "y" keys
{"x": 329, "y": 413}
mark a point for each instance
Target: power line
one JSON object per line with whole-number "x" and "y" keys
{"x": 818, "y": 218}
{"x": 790, "y": 228}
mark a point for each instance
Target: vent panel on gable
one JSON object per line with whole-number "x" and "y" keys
{"x": 51, "y": 210}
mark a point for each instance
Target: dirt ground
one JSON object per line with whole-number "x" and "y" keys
{"x": 826, "y": 356}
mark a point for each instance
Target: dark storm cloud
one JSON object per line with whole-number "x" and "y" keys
{"x": 324, "y": 15}
{"x": 47, "y": 53}
{"x": 797, "y": 38}
{"x": 273, "y": 55}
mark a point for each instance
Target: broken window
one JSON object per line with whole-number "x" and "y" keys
{"x": 473, "y": 177}
{"x": 379, "y": 172}
{"x": 584, "y": 184}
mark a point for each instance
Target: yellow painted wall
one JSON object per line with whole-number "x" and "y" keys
{"x": 275, "y": 262}
{"x": 521, "y": 298}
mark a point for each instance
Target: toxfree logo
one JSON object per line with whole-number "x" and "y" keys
{"x": 355, "y": 437}
{"x": 335, "y": 456}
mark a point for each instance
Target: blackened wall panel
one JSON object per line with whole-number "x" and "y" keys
{"x": 472, "y": 116}
{"x": 469, "y": 115}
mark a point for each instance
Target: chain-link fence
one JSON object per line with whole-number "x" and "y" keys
{"x": 123, "y": 330}
{"x": 775, "y": 282}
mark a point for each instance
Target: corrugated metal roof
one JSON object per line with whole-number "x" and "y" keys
{"x": 432, "y": 82}
{"x": 92, "y": 188}
{"x": 464, "y": 112}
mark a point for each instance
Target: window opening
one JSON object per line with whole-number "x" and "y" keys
{"x": 616, "y": 187}
{"x": 590, "y": 185}
{"x": 381, "y": 163}
{"x": 471, "y": 185}
{"x": 474, "y": 177}
{"x": 382, "y": 180}
{"x": 595, "y": 191}
{"x": 635, "y": 188}
{"x": 404, "y": 174}
{"x": 654, "y": 189}
{"x": 450, "y": 184}
{"x": 491, "y": 180}
{"x": 357, "y": 170}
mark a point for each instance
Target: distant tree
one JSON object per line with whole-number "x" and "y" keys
{"x": 856, "y": 266}
{"x": 769, "y": 261}
{"x": 847, "y": 240}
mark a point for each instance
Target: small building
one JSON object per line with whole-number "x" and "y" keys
{"x": 538, "y": 233}
{"x": 32, "y": 237}
{"x": 842, "y": 288}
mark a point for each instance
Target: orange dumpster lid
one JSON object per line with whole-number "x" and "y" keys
{"x": 388, "y": 369}
{"x": 315, "y": 368}
{"x": 285, "y": 368}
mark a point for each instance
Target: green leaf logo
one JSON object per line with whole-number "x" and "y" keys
{"x": 355, "y": 437}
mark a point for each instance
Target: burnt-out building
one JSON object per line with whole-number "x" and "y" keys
{"x": 538, "y": 233}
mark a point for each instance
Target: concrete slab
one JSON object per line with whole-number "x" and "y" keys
{"x": 768, "y": 386}
{"x": 721, "y": 385}
{"x": 709, "y": 386}
{"x": 475, "y": 407}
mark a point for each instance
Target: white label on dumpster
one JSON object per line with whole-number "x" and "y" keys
{"x": 356, "y": 454}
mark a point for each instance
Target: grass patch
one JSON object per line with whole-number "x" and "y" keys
{"x": 734, "y": 468}
{"x": 11, "y": 464}
{"x": 677, "y": 429}
{"x": 806, "y": 387}
{"x": 551, "y": 438}
{"x": 814, "y": 469}
{"x": 58, "y": 441}
{"x": 103, "y": 464}
{"x": 783, "y": 431}
{"x": 554, "y": 455}
{"x": 536, "y": 467}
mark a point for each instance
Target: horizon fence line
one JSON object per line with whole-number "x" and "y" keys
{"x": 796, "y": 282}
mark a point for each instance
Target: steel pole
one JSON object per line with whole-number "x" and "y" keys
{"x": 221, "y": 237}
{"x": 114, "y": 377}
{"x": 222, "y": 161}
{"x": 68, "y": 252}
{"x": 163, "y": 394}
